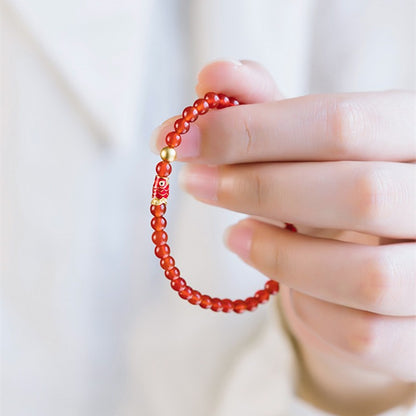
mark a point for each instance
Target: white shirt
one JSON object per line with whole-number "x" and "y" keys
{"x": 90, "y": 324}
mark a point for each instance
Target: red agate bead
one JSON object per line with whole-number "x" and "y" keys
{"x": 216, "y": 305}
{"x": 172, "y": 273}
{"x": 159, "y": 237}
{"x": 167, "y": 263}
{"x": 181, "y": 126}
{"x": 212, "y": 99}
{"x": 262, "y": 296}
{"x": 178, "y": 284}
{"x": 190, "y": 114}
{"x": 162, "y": 251}
{"x": 173, "y": 139}
{"x": 272, "y": 287}
{"x": 239, "y": 306}
{"x": 227, "y": 305}
{"x": 201, "y": 105}
{"x": 196, "y": 297}
{"x": 224, "y": 101}
{"x": 251, "y": 303}
{"x": 206, "y": 302}
{"x": 160, "y": 195}
{"x": 158, "y": 210}
{"x": 185, "y": 293}
{"x": 158, "y": 223}
{"x": 291, "y": 227}
{"x": 163, "y": 169}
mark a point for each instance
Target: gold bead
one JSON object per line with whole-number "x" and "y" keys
{"x": 168, "y": 154}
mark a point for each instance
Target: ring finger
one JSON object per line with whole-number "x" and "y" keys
{"x": 372, "y": 278}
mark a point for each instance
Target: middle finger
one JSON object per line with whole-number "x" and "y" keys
{"x": 372, "y": 197}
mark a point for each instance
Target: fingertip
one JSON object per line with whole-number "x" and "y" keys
{"x": 238, "y": 237}
{"x": 248, "y": 81}
{"x": 212, "y": 73}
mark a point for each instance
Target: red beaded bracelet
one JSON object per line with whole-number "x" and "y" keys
{"x": 160, "y": 195}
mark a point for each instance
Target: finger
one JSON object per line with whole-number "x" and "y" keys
{"x": 374, "y": 197}
{"x": 364, "y": 126}
{"x": 247, "y": 81}
{"x": 366, "y": 337}
{"x": 372, "y": 278}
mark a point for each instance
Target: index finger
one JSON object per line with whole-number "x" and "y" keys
{"x": 354, "y": 126}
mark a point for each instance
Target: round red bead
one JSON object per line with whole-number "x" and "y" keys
{"x": 212, "y": 99}
{"x": 227, "y": 305}
{"x": 224, "y": 101}
{"x": 158, "y": 223}
{"x": 239, "y": 306}
{"x": 290, "y": 227}
{"x": 201, "y": 105}
{"x": 190, "y": 114}
{"x": 181, "y": 126}
{"x": 178, "y": 284}
{"x": 173, "y": 273}
{"x": 206, "y": 302}
{"x": 272, "y": 287}
{"x": 185, "y": 293}
{"x": 163, "y": 169}
{"x": 233, "y": 102}
{"x": 195, "y": 299}
{"x": 216, "y": 305}
{"x": 167, "y": 263}
{"x": 262, "y": 296}
{"x": 158, "y": 210}
{"x": 251, "y": 303}
{"x": 162, "y": 251}
{"x": 173, "y": 139}
{"x": 159, "y": 237}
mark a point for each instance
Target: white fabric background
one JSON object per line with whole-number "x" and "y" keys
{"x": 89, "y": 325}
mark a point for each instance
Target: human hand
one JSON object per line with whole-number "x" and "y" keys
{"x": 340, "y": 168}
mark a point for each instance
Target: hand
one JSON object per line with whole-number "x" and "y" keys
{"x": 340, "y": 168}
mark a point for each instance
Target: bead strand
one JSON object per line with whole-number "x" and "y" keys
{"x": 160, "y": 194}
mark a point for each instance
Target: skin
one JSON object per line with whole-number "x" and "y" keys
{"x": 341, "y": 168}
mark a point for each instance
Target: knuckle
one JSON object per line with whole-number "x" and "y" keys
{"x": 246, "y": 123}
{"x": 376, "y": 282}
{"x": 362, "y": 335}
{"x": 345, "y": 122}
{"x": 369, "y": 193}
{"x": 267, "y": 257}
{"x": 257, "y": 191}
{"x": 242, "y": 190}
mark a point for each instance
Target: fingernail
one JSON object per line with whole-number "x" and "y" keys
{"x": 201, "y": 181}
{"x": 190, "y": 144}
{"x": 238, "y": 239}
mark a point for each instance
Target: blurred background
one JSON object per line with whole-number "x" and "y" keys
{"x": 89, "y": 323}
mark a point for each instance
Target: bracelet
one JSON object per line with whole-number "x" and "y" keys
{"x": 160, "y": 193}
